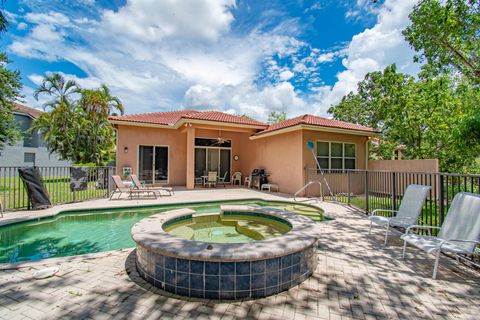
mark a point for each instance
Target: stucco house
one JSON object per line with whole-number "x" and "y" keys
{"x": 30, "y": 149}
{"x": 177, "y": 147}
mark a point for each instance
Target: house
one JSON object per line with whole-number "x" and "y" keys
{"x": 179, "y": 147}
{"x": 31, "y": 149}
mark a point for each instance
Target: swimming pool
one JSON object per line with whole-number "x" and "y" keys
{"x": 79, "y": 232}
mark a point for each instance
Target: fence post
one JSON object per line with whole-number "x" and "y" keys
{"x": 441, "y": 200}
{"x": 366, "y": 191}
{"x": 394, "y": 191}
{"x": 348, "y": 186}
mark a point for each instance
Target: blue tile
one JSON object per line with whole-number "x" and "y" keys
{"x": 242, "y": 294}
{"x": 242, "y": 268}
{"x": 212, "y": 282}
{"x": 183, "y": 291}
{"x": 227, "y": 268}
{"x": 271, "y": 290}
{"x": 170, "y": 263}
{"x": 286, "y": 261}
{"x": 258, "y": 281}
{"x": 159, "y": 260}
{"x": 212, "y": 268}
{"x": 196, "y": 281}
{"x": 183, "y": 280}
{"x": 170, "y": 288}
{"x": 160, "y": 274}
{"x": 242, "y": 283}
{"x": 272, "y": 279}
{"x": 159, "y": 284}
{"x": 227, "y": 283}
{"x": 258, "y": 266}
{"x": 286, "y": 275}
{"x": 285, "y": 286}
{"x": 227, "y": 295}
{"x": 258, "y": 293}
{"x": 197, "y": 267}
{"x": 183, "y": 265}
{"x": 197, "y": 293}
{"x": 272, "y": 265}
{"x": 212, "y": 295}
{"x": 170, "y": 277}
{"x": 296, "y": 258}
{"x": 295, "y": 271}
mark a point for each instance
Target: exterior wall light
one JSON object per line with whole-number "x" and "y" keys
{"x": 125, "y": 149}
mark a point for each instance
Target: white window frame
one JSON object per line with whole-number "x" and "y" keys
{"x": 330, "y": 154}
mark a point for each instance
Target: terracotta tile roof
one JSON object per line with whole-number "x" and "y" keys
{"x": 172, "y": 117}
{"x": 34, "y": 113}
{"x": 308, "y": 119}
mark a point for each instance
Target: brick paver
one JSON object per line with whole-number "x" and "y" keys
{"x": 356, "y": 278}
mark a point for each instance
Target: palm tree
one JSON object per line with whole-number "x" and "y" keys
{"x": 57, "y": 86}
{"x": 3, "y": 19}
{"x": 100, "y": 101}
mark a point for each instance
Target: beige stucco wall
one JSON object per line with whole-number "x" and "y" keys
{"x": 285, "y": 157}
{"x": 420, "y": 165}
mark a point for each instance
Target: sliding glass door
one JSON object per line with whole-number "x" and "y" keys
{"x": 153, "y": 164}
{"x": 209, "y": 157}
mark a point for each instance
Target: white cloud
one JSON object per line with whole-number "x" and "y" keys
{"x": 286, "y": 75}
{"x": 372, "y": 50}
{"x": 172, "y": 54}
{"x": 22, "y": 26}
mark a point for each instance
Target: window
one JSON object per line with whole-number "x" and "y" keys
{"x": 29, "y": 157}
{"x": 336, "y": 155}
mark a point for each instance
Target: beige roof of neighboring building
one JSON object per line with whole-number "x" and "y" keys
{"x": 20, "y": 108}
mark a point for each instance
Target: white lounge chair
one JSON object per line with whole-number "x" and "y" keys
{"x": 459, "y": 233}
{"x": 120, "y": 188}
{"x": 137, "y": 184}
{"x": 408, "y": 213}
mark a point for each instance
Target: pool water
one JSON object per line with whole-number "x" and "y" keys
{"x": 81, "y": 232}
{"x": 227, "y": 229}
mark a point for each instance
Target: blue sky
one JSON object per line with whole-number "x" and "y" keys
{"x": 241, "y": 56}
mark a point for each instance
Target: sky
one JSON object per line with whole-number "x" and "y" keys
{"x": 239, "y": 56}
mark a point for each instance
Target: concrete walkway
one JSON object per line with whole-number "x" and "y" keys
{"x": 356, "y": 278}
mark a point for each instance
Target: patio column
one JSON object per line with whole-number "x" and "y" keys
{"x": 190, "y": 157}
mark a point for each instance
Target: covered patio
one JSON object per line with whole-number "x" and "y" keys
{"x": 357, "y": 278}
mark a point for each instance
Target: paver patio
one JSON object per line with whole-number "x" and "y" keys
{"x": 356, "y": 278}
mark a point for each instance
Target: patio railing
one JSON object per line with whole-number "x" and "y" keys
{"x": 56, "y": 180}
{"x": 369, "y": 190}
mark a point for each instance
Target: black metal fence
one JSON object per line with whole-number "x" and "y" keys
{"x": 56, "y": 180}
{"x": 369, "y": 190}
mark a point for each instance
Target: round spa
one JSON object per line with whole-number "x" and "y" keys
{"x": 241, "y": 252}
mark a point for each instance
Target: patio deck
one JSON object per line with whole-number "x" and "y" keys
{"x": 356, "y": 278}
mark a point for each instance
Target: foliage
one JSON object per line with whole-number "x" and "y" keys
{"x": 419, "y": 115}
{"x": 276, "y": 117}
{"x": 446, "y": 33}
{"x": 76, "y": 126}
{"x": 10, "y": 87}
{"x": 246, "y": 116}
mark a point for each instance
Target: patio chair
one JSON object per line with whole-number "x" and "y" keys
{"x": 237, "y": 177}
{"x": 121, "y": 188}
{"x": 137, "y": 184}
{"x": 223, "y": 179}
{"x": 408, "y": 213}
{"x": 459, "y": 233}
{"x": 211, "y": 179}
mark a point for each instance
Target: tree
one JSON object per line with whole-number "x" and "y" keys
{"x": 447, "y": 35}
{"x": 276, "y": 117}
{"x": 10, "y": 87}
{"x": 76, "y": 125}
{"x": 421, "y": 115}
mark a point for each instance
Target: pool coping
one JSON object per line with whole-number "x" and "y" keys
{"x": 148, "y": 233}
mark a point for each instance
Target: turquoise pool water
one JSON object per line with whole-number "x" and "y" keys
{"x": 81, "y": 232}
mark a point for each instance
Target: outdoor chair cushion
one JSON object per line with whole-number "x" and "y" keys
{"x": 394, "y": 221}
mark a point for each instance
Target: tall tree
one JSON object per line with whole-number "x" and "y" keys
{"x": 446, "y": 33}
{"x": 276, "y": 117}
{"x": 421, "y": 115}
{"x": 76, "y": 125}
{"x": 10, "y": 87}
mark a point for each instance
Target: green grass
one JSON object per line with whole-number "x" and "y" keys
{"x": 14, "y": 196}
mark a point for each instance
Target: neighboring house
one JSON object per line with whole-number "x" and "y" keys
{"x": 179, "y": 147}
{"x": 31, "y": 149}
